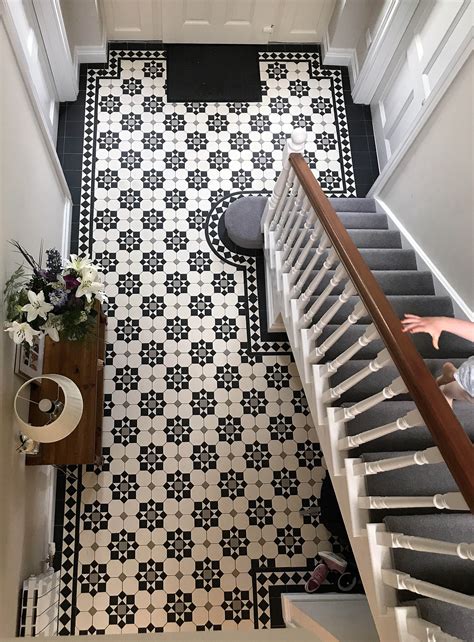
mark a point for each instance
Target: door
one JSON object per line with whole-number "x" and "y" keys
{"x": 302, "y": 20}
{"x": 132, "y": 19}
{"x": 218, "y": 21}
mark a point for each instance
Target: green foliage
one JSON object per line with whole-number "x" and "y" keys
{"x": 14, "y": 295}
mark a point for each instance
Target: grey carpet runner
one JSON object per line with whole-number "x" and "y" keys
{"x": 409, "y": 290}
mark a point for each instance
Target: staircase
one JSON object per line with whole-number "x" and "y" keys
{"x": 400, "y": 460}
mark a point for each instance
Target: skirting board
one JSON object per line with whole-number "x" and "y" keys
{"x": 442, "y": 285}
{"x": 90, "y": 54}
{"x": 338, "y": 57}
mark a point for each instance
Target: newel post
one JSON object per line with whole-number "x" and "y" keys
{"x": 294, "y": 145}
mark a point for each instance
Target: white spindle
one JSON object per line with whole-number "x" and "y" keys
{"x": 320, "y": 274}
{"x": 397, "y": 387}
{"x": 308, "y": 316}
{"x": 357, "y": 313}
{"x": 290, "y": 177}
{"x": 405, "y": 582}
{"x": 411, "y": 420}
{"x": 292, "y": 222}
{"x": 462, "y": 550}
{"x": 287, "y": 209}
{"x": 303, "y": 277}
{"x": 424, "y": 631}
{"x": 326, "y": 318}
{"x": 295, "y": 144}
{"x": 420, "y": 458}
{"x": 448, "y": 501}
{"x": 333, "y": 366}
{"x": 299, "y": 226}
{"x": 316, "y": 235}
{"x": 303, "y": 232}
{"x": 382, "y": 360}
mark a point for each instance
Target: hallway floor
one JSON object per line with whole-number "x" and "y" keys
{"x": 193, "y": 521}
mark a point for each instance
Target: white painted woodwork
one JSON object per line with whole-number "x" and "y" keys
{"x": 411, "y": 420}
{"x": 382, "y": 360}
{"x": 420, "y": 458}
{"x": 463, "y": 550}
{"x": 397, "y": 387}
{"x": 446, "y": 501}
{"x": 310, "y": 288}
{"x": 297, "y": 232}
{"x": 58, "y": 51}
{"x": 412, "y": 627}
{"x": 302, "y": 21}
{"x": 218, "y": 21}
{"x": 438, "y": 34}
{"x": 133, "y": 19}
{"x": 403, "y": 581}
{"x": 24, "y": 32}
{"x": 381, "y": 47}
{"x": 333, "y": 366}
{"x": 357, "y": 313}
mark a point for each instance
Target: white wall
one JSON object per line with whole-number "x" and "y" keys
{"x": 31, "y": 209}
{"x": 85, "y": 29}
{"x": 373, "y": 15}
{"x": 431, "y": 191}
{"x": 349, "y": 21}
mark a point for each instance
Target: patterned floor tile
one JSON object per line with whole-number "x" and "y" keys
{"x": 209, "y": 450}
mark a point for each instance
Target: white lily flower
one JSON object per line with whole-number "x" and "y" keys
{"x": 89, "y": 286}
{"x": 52, "y": 326}
{"x": 78, "y": 263}
{"x": 37, "y": 306}
{"x": 20, "y": 332}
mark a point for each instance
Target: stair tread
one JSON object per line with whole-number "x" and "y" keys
{"x": 352, "y": 204}
{"x": 363, "y": 220}
{"x": 452, "y": 619}
{"x": 374, "y": 382}
{"x": 391, "y": 281}
{"x": 414, "y": 481}
{"x": 457, "y": 527}
{"x": 370, "y": 238}
{"x": 450, "y": 346}
{"x": 448, "y": 571}
{"x": 378, "y": 258}
{"x": 411, "y": 439}
{"x": 431, "y": 305}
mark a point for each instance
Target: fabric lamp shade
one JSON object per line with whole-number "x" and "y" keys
{"x": 61, "y": 426}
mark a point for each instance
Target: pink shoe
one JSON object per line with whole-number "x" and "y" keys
{"x": 317, "y": 578}
{"x": 333, "y": 562}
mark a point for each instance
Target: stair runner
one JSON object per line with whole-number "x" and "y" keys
{"x": 408, "y": 290}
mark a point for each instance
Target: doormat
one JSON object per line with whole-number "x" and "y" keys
{"x": 213, "y": 73}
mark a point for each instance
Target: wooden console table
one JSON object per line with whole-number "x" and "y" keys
{"x": 83, "y": 363}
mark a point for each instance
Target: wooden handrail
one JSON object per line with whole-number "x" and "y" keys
{"x": 448, "y": 434}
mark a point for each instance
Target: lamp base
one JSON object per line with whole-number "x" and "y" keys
{"x": 27, "y": 446}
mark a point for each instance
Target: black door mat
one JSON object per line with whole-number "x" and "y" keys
{"x": 213, "y": 73}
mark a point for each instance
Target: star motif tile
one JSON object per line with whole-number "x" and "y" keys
{"x": 208, "y": 451}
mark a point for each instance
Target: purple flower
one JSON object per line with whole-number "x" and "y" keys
{"x": 71, "y": 281}
{"x": 58, "y": 298}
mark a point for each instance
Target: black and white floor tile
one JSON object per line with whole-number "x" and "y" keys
{"x": 209, "y": 451}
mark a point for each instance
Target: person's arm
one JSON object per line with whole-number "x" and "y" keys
{"x": 436, "y": 325}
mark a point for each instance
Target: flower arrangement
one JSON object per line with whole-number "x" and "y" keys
{"x": 57, "y": 300}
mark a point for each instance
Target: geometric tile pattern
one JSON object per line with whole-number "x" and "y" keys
{"x": 209, "y": 450}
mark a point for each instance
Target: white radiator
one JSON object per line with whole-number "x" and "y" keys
{"x": 39, "y": 607}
